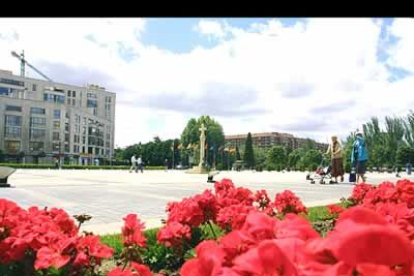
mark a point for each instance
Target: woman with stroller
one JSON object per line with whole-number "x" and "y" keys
{"x": 337, "y": 161}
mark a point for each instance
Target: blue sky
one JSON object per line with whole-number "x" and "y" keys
{"x": 310, "y": 77}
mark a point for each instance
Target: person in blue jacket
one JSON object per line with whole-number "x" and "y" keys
{"x": 359, "y": 157}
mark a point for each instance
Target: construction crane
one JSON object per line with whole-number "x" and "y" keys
{"x": 23, "y": 63}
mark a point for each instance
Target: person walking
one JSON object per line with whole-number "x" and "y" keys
{"x": 139, "y": 161}
{"x": 133, "y": 163}
{"x": 359, "y": 157}
{"x": 337, "y": 160}
{"x": 166, "y": 164}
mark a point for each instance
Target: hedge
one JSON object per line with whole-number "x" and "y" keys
{"x": 74, "y": 167}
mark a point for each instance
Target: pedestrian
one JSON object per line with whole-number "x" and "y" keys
{"x": 133, "y": 164}
{"x": 408, "y": 168}
{"x": 139, "y": 161}
{"x": 57, "y": 164}
{"x": 166, "y": 164}
{"x": 337, "y": 160}
{"x": 359, "y": 157}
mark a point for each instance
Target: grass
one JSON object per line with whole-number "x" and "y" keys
{"x": 114, "y": 241}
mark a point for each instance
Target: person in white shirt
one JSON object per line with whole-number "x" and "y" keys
{"x": 139, "y": 161}
{"x": 133, "y": 164}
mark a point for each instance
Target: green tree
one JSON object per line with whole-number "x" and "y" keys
{"x": 277, "y": 157}
{"x": 405, "y": 154}
{"x": 294, "y": 158}
{"x": 260, "y": 156}
{"x": 248, "y": 157}
{"x": 311, "y": 159}
{"x": 394, "y": 137}
{"x": 409, "y": 129}
{"x": 214, "y": 135}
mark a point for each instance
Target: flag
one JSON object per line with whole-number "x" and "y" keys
{"x": 189, "y": 146}
{"x": 180, "y": 146}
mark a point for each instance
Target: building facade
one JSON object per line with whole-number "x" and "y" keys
{"x": 270, "y": 139}
{"x": 41, "y": 121}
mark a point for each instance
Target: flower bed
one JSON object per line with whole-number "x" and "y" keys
{"x": 228, "y": 231}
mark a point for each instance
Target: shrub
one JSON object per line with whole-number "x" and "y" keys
{"x": 74, "y": 167}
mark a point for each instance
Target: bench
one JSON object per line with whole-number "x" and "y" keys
{"x": 5, "y": 172}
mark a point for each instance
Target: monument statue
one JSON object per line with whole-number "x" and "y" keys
{"x": 202, "y": 144}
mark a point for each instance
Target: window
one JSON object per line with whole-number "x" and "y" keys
{"x": 54, "y": 98}
{"x": 12, "y": 120}
{"x": 108, "y": 144}
{"x": 66, "y": 126}
{"x": 12, "y": 132}
{"x": 68, "y": 101}
{"x": 76, "y": 138}
{"x": 13, "y": 108}
{"x": 108, "y": 99}
{"x": 12, "y": 146}
{"x": 83, "y": 139}
{"x": 34, "y": 87}
{"x": 97, "y": 151}
{"x": 56, "y": 114}
{"x": 76, "y": 149}
{"x": 36, "y": 146}
{"x": 56, "y": 125}
{"x": 5, "y": 91}
{"x": 37, "y": 122}
{"x": 36, "y": 133}
{"x": 77, "y": 119}
{"x": 77, "y": 128}
{"x": 73, "y": 93}
{"x": 37, "y": 110}
{"x": 92, "y": 95}
{"x": 91, "y": 103}
{"x": 68, "y": 93}
{"x": 108, "y": 136}
{"x": 66, "y": 137}
{"x": 73, "y": 102}
{"x": 67, "y": 148}
{"x": 55, "y": 146}
{"x": 84, "y": 131}
{"x": 56, "y": 136}
{"x": 12, "y": 82}
{"x": 67, "y": 115}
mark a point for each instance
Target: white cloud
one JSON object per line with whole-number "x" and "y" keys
{"x": 289, "y": 72}
{"x": 402, "y": 52}
{"x": 212, "y": 29}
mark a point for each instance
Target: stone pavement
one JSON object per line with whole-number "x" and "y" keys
{"x": 110, "y": 195}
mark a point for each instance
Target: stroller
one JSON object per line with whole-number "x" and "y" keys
{"x": 322, "y": 173}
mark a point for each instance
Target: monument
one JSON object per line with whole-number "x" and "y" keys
{"x": 200, "y": 169}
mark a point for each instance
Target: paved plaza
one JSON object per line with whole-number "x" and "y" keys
{"x": 109, "y": 195}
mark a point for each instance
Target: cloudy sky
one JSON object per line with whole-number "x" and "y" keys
{"x": 308, "y": 77}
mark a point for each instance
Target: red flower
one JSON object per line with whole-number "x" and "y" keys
{"x": 56, "y": 254}
{"x": 174, "y": 233}
{"x": 406, "y": 192}
{"x": 359, "y": 192}
{"x": 335, "y": 209}
{"x": 268, "y": 259}
{"x": 294, "y": 226}
{"x": 234, "y": 244}
{"x": 91, "y": 246}
{"x": 132, "y": 231}
{"x": 262, "y": 198}
{"x": 207, "y": 263}
{"x": 233, "y": 217}
{"x": 288, "y": 202}
{"x": 259, "y": 226}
